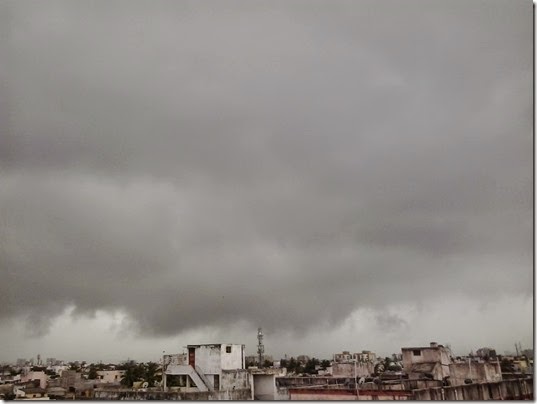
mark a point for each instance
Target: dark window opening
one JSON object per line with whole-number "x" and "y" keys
{"x": 416, "y": 352}
{"x": 228, "y": 349}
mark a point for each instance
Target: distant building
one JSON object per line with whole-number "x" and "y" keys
{"x": 110, "y": 376}
{"x": 430, "y": 362}
{"x": 351, "y": 369}
{"x": 435, "y": 362}
{"x": 363, "y": 357}
{"x": 70, "y": 378}
{"x": 486, "y": 353}
{"x": 345, "y": 356}
{"x": 40, "y": 376}
{"x": 366, "y": 357}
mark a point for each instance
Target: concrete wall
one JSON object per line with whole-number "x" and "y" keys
{"x": 504, "y": 390}
{"x": 347, "y": 394}
{"x": 426, "y": 355}
{"x": 347, "y": 369}
{"x": 175, "y": 359}
{"x": 478, "y": 372}
{"x": 69, "y": 378}
{"x": 326, "y": 395}
{"x": 127, "y": 394}
{"x": 110, "y": 376}
{"x": 233, "y": 360}
{"x": 212, "y": 359}
{"x": 208, "y": 359}
{"x": 235, "y": 379}
{"x": 437, "y": 372}
{"x": 265, "y": 387}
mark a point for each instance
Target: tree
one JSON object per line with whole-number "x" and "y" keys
{"x": 92, "y": 374}
{"x": 325, "y": 364}
{"x": 151, "y": 369}
{"x": 507, "y": 366}
{"x": 133, "y": 373}
{"x": 310, "y": 366}
{"x": 268, "y": 364}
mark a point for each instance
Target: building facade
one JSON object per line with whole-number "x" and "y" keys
{"x": 207, "y": 367}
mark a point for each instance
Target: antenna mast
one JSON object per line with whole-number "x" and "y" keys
{"x": 260, "y": 347}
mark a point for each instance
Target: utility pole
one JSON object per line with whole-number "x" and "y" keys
{"x": 260, "y": 347}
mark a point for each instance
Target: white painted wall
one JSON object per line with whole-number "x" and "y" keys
{"x": 265, "y": 387}
{"x": 208, "y": 359}
{"x": 233, "y": 360}
{"x": 110, "y": 376}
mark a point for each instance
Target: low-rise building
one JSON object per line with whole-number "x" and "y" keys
{"x": 345, "y": 356}
{"x": 208, "y": 367}
{"x": 430, "y": 362}
{"x": 33, "y": 375}
{"x": 31, "y": 393}
{"x": 110, "y": 376}
{"x": 366, "y": 357}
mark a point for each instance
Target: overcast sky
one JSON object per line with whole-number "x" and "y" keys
{"x": 345, "y": 174}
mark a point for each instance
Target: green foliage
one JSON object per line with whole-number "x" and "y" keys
{"x": 140, "y": 372}
{"x": 293, "y": 366}
{"x": 150, "y": 376}
{"x": 325, "y": 364}
{"x": 310, "y": 366}
{"x": 92, "y": 374}
{"x": 507, "y": 366}
{"x": 268, "y": 364}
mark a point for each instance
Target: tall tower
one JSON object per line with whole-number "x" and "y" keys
{"x": 260, "y": 347}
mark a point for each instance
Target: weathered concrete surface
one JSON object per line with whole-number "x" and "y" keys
{"x": 235, "y": 379}
{"x": 347, "y": 394}
{"x": 478, "y": 372}
{"x": 521, "y": 389}
{"x": 348, "y": 369}
{"x": 128, "y": 394}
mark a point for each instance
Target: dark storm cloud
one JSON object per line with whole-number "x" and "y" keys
{"x": 284, "y": 163}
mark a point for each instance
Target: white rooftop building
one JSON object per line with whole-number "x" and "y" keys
{"x": 207, "y": 367}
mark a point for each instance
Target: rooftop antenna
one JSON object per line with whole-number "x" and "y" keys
{"x": 260, "y": 346}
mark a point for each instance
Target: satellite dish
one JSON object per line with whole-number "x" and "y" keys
{"x": 145, "y": 385}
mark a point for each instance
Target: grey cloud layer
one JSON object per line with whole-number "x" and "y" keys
{"x": 280, "y": 163}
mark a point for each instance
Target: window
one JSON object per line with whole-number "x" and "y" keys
{"x": 416, "y": 352}
{"x": 228, "y": 349}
